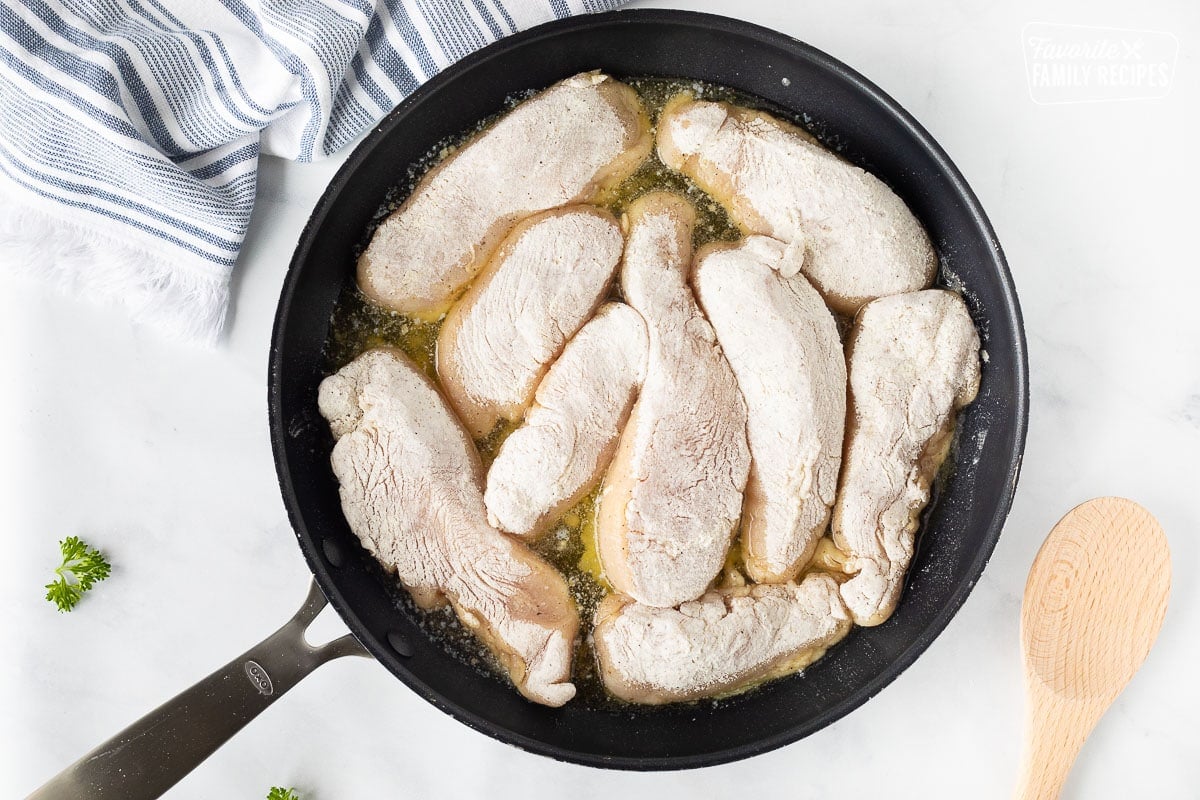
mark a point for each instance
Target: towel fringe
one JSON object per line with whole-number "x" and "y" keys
{"x": 183, "y": 304}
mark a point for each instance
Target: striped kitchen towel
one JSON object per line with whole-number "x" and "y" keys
{"x": 130, "y": 130}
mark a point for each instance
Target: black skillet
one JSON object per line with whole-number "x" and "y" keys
{"x": 958, "y": 533}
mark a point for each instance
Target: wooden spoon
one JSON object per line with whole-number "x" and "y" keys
{"x": 1094, "y": 603}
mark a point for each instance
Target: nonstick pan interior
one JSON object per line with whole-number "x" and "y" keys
{"x": 848, "y": 113}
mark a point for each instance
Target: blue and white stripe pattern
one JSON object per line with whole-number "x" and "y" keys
{"x": 130, "y": 130}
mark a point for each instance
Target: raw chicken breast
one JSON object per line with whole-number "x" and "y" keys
{"x": 914, "y": 361}
{"x": 673, "y": 494}
{"x": 410, "y": 486}
{"x": 783, "y": 345}
{"x": 549, "y": 463}
{"x": 859, "y": 240}
{"x": 724, "y": 641}
{"x": 564, "y": 145}
{"x": 543, "y": 283}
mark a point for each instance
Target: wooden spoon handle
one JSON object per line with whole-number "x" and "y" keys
{"x": 1055, "y": 730}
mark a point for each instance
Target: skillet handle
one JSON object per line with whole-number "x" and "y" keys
{"x": 153, "y": 754}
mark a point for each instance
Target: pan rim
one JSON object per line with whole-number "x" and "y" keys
{"x": 1009, "y": 308}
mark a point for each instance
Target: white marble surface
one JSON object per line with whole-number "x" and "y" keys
{"x": 160, "y": 455}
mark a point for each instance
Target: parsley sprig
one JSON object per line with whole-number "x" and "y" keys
{"x": 82, "y": 567}
{"x": 279, "y": 793}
